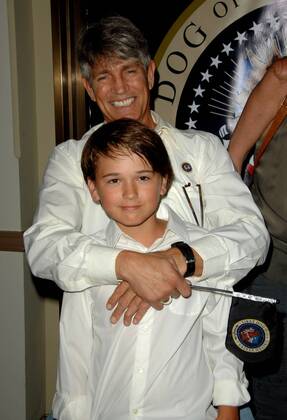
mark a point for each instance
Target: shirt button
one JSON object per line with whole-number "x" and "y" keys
{"x": 135, "y": 411}
{"x": 140, "y": 370}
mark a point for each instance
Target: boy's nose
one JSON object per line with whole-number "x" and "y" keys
{"x": 130, "y": 190}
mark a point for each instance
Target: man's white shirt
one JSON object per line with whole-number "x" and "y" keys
{"x": 59, "y": 246}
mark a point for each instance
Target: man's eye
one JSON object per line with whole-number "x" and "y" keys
{"x": 144, "y": 178}
{"x": 101, "y": 77}
{"x": 132, "y": 70}
{"x": 113, "y": 181}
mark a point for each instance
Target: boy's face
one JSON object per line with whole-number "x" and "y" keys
{"x": 128, "y": 190}
{"x": 121, "y": 88}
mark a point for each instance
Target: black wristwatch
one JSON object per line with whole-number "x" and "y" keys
{"x": 188, "y": 255}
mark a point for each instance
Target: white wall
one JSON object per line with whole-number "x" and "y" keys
{"x": 12, "y": 320}
{"x": 9, "y": 164}
{"x": 28, "y": 322}
{"x": 12, "y": 330}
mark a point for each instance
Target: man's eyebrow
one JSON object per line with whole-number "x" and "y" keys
{"x": 124, "y": 65}
{"x": 99, "y": 72}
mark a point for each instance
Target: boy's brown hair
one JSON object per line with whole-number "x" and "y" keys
{"x": 126, "y": 136}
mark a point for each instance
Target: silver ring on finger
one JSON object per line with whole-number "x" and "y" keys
{"x": 166, "y": 302}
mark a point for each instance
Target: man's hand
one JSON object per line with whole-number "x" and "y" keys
{"x": 154, "y": 277}
{"x": 227, "y": 412}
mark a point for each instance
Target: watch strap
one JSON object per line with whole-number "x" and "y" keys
{"x": 187, "y": 252}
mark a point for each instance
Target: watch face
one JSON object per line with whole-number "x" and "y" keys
{"x": 212, "y": 58}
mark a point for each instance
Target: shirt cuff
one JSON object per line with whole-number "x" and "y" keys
{"x": 67, "y": 407}
{"x": 213, "y": 254}
{"x": 228, "y": 392}
{"x": 104, "y": 266}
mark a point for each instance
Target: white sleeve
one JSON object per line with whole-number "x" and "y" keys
{"x": 72, "y": 398}
{"x": 237, "y": 238}
{"x": 55, "y": 246}
{"x": 230, "y": 383}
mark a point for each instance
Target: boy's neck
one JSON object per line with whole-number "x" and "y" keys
{"x": 147, "y": 233}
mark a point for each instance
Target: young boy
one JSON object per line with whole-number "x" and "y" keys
{"x": 173, "y": 364}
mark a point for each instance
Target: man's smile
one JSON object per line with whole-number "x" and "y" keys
{"x": 123, "y": 102}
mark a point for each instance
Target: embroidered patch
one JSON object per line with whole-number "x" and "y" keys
{"x": 251, "y": 335}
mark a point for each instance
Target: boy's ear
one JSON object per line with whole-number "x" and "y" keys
{"x": 93, "y": 191}
{"x": 163, "y": 189}
{"x": 89, "y": 89}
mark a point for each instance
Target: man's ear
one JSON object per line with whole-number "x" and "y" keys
{"x": 150, "y": 74}
{"x": 93, "y": 191}
{"x": 89, "y": 89}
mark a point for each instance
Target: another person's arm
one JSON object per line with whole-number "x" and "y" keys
{"x": 226, "y": 412}
{"x": 260, "y": 109}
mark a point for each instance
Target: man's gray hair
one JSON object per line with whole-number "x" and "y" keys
{"x": 113, "y": 36}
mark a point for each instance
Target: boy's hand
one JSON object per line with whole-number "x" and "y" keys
{"x": 125, "y": 301}
{"x": 227, "y": 412}
{"x": 148, "y": 280}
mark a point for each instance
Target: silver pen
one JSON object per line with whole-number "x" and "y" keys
{"x": 232, "y": 293}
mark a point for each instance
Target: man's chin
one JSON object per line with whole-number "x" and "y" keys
{"x": 126, "y": 113}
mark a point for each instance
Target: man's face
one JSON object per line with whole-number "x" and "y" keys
{"x": 121, "y": 89}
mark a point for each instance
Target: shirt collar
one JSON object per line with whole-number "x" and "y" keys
{"x": 175, "y": 223}
{"x": 161, "y": 125}
{"x": 113, "y": 233}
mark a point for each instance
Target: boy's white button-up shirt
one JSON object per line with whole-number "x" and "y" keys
{"x": 173, "y": 365}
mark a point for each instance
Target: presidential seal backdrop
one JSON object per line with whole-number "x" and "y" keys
{"x": 213, "y": 56}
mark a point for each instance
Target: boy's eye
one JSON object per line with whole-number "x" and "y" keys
{"x": 144, "y": 178}
{"x": 113, "y": 181}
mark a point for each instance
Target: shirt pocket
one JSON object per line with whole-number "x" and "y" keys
{"x": 189, "y": 306}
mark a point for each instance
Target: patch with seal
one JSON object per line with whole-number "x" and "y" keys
{"x": 253, "y": 331}
{"x": 251, "y": 335}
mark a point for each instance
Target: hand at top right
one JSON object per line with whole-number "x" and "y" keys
{"x": 279, "y": 68}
